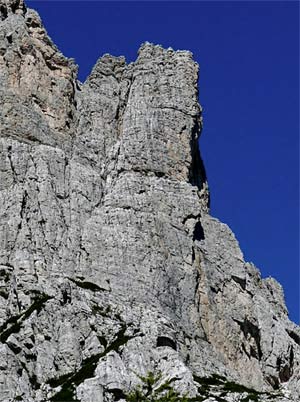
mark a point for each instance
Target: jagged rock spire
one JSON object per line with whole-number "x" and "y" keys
{"x": 110, "y": 265}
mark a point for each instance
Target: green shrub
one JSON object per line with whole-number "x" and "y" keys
{"x": 149, "y": 391}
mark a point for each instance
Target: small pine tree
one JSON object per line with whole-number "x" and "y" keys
{"x": 148, "y": 392}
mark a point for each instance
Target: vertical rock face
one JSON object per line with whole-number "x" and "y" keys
{"x": 110, "y": 265}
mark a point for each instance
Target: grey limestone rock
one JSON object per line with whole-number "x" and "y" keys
{"x": 110, "y": 265}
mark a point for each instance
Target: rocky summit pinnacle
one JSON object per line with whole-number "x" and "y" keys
{"x": 115, "y": 282}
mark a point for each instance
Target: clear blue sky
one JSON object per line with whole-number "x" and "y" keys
{"x": 249, "y": 88}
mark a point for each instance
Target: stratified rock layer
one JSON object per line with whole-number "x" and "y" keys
{"x": 110, "y": 265}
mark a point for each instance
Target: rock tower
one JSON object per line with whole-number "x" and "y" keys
{"x": 111, "y": 268}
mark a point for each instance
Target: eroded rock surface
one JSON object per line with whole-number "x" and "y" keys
{"x": 110, "y": 265}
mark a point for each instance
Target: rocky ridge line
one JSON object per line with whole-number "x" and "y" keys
{"x": 110, "y": 265}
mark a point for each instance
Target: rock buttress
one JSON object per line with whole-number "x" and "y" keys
{"x": 110, "y": 265}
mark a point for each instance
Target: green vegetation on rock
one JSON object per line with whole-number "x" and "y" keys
{"x": 151, "y": 391}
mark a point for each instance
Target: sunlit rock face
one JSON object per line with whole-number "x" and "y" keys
{"x": 110, "y": 265}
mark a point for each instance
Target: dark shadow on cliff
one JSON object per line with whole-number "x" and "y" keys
{"x": 197, "y": 173}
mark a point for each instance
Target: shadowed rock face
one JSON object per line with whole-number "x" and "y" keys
{"x": 110, "y": 265}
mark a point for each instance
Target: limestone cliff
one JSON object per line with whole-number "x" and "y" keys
{"x": 111, "y": 267}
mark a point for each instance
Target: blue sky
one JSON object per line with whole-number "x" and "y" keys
{"x": 249, "y": 89}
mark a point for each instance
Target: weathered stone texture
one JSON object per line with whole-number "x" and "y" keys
{"x": 110, "y": 264}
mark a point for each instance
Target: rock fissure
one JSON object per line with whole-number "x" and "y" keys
{"x": 68, "y": 382}
{"x": 6, "y": 329}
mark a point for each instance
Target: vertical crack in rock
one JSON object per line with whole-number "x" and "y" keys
{"x": 251, "y": 330}
{"x": 11, "y": 163}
